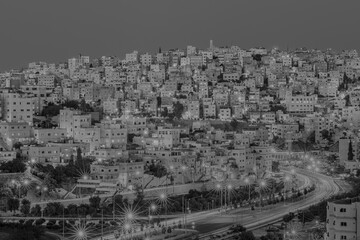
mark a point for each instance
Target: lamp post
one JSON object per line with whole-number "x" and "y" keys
{"x": 151, "y": 208}
{"x": 114, "y": 207}
{"x": 262, "y": 185}
{"x": 286, "y": 180}
{"x": 247, "y": 181}
{"x": 102, "y": 221}
{"x": 63, "y": 222}
{"x": 183, "y": 168}
{"x": 229, "y": 188}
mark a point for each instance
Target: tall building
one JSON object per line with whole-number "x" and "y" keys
{"x": 343, "y": 220}
{"x": 16, "y": 106}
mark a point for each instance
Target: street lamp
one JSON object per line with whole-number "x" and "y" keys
{"x": 229, "y": 188}
{"x": 262, "y": 185}
{"x": 183, "y": 168}
{"x": 247, "y": 181}
{"x": 152, "y": 208}
{"x": 219, "y": 188}
{"x": 286, "y": 180}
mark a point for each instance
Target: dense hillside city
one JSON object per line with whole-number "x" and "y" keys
{"x": 155, "y": 145}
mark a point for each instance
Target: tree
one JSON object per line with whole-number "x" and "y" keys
{"x": 178, "y": 109}
{"x": 50, "y": 182}
{"x": 288, "y": 217}
{"x": 350, "y": 152}
{"x": 257, "y": 57}
{"x": 326, "y": 134}
{"x": 18, "y": 145}
{"x": 247, "y": 235}
{"x": 347, "y": 100}
{"x": 53, "y": 209}
{"x": 95, "y": 202}
{"x": 71, "y": 104}
{"x": 158, "y": 170}
{"x": 72, "y": 209}
{"x": 85, "y": 107}
{"x": 266, "y": 82}
{"x": 165, "y": 113}
{"x": 14, "y": 166}
{"x": 13, "y": 204}
{"x": 51, "y": 110}
{"x": 234, "y": 124}
{"x": 25, "y": 206}
{"x": 275, "y": 166}
{"x": 35, "y": 211}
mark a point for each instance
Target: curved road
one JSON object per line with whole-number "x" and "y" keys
{"x": 206, "y": 222}
{"x": 325, "y": 188}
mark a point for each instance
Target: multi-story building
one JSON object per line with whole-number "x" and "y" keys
{"x": 343, "y": 219}
{"x": 16, "y": 106}
{"x": 300, "y": 103}
{"x": 50, "y": 135}
{"x": 46, "y": 81}
{"x": 72, "y": 120}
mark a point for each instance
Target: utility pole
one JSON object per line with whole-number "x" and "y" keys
{"x": 114, "y": 207}
{"x": 63, "y": 222}
{"x": 102, "y": 222}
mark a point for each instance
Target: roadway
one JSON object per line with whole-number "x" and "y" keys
{"x": 325, "y": 188}
{"x": 206, "y": 222}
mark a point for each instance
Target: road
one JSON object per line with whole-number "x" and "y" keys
{"x": 325, "y": 188}
{"x": 206, "y": 222}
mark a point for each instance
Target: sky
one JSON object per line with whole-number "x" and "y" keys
{"x": 53, "y": 30}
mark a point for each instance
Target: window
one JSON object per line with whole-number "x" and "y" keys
{"x": 343, "y": 224}
{"x": 342, "y": 209}
{"x": 343, "y": 237}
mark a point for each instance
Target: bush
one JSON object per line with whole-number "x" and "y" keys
{"x": 288, "y": 217}
{"x": 39, "y": 222}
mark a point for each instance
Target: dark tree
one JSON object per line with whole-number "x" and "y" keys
{"x": 18, "y": 145}
{"x": 158, "y": 170}
{"x": 25, "y": 207}
{"x": 178, "y": 109}
{"x": 13, "y": 204}
{"x": 71, "y": 104}
{"x": 35, "y": 211}
{"x": 257, "y": 57}
{"x": 14, "y": 166}
{"x": 51, "y": 110}
{"x": 234, "y": 124}
{"x": 165, "y": 113}
{"x": 266, "y": 82}
{"x": 347, "y": 100}
{"x": 95, "y": 202}
{"x": 248, "y": 235}
{"x": 350, "y": 152}
{"x": 275, "y": 166}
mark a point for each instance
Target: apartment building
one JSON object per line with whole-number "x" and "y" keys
{"x": 300, "y": 103}
{"x": 72, "y": 119}
{"x": 16, "y": 106}
{"x": 343, "y": 219}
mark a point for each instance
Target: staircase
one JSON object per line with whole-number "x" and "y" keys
{"x": 68, "y": 193}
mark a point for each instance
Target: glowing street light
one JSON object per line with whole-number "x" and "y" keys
{"x": 247, "y": 181}
{"x": 152, "y": 208}
{"x": 130, "y": 216}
